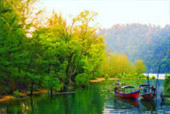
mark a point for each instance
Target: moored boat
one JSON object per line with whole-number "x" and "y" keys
{"x": 147, "y": 96}
{"x": 124, "y": 92}
{"x": 148, "y": 92}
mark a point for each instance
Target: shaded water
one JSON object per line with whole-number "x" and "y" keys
{"x": 97, "y": 99}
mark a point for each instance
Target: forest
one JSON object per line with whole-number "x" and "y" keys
{"x": 49, "y": 53}
{"x": 138, "y": 41}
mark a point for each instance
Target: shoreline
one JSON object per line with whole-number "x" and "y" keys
{"x": 103, "y": 79}
{"x": 24, "y": 94}
{"x": 10, "y": 97}
{"x": 27, "y": 94}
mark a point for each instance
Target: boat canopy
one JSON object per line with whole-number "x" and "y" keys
{"x": 126, "y": 87}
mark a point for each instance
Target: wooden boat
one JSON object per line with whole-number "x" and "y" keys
{"x": 148, "y": 92}
{"x": 122, "y": 92}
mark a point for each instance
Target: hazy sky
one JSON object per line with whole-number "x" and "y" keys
{"x": 111, "y": 12}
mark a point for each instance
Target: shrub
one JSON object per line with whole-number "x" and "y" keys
{"x": 82, "y": 80}
{"x": 166, "y": 83}
{"x": 153, "y": 77}
{"x": 119, "y": 76}
{"x": 16, "y": 93}
{"x": 106, "y": 77}
{"x": 142, "y": 76}
{"x": 71, "y": 88}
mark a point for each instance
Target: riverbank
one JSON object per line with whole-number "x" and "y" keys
{"x": 27, "y": 93}
{"x": 103, "y": 79}
{"x": 6, "y": 98}
{"x": 10, "y": 97}
{"x": 22, "y": 94}
{"x": 98, "y": 98}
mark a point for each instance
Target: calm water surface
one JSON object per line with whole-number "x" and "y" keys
{"x": 97, "y": 99}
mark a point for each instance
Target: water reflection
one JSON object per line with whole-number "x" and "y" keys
{"x": 19, "y": 107}
{"x": 121, "y": 105}
{"x": 89, "y": 101}
{"x": 148, "y": 105}
{"x": 97, "y": 99}
{"x": 125, "y": 103}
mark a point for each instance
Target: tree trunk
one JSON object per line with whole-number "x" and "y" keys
{"x": 66, "y": 84}
{"x": 32, "y": 88}
{"x": 73, "y": 73}
{"x": 69, "y": 80}
{"x": 70, "y": 74}
{"x": 9, "y": 76}
{"x": 51, "y": 91}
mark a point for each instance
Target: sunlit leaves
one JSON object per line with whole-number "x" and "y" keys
{"x": 116, "y": 64}
{"x": 140, "y": 67}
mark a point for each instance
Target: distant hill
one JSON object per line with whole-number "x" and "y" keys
{"x": 147, "y": 42}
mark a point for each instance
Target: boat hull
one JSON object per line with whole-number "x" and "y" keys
{"x": 133, "y": 95}
{"x": 148, "y": 96}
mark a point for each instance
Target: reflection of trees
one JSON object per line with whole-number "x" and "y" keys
{"x": 15, "y": 107}
{"x": 82, "y": 102}
{"x": 94, "y": 100}
{"x": 88, "y": 101}
{"x": 3, "y": 110}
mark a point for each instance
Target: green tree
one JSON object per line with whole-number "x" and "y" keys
{"x": 82, "y": 37}
{"x": 140, "y": 67}
{"x": 13, "y": 43}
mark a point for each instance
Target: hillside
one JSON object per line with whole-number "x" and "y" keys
{"x": 147, "y": 42}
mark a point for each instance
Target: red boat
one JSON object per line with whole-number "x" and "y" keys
{"x": 122, "y": 92}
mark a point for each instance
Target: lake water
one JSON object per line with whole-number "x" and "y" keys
{"x": 97, "y": 99}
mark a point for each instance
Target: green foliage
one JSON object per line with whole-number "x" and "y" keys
{"x": 106, "y": 76}
{"x": 166, "y": 82}
{"x": 51, "y": 82}
{"x": 16, "y": 93}
{"x": 153, "y": 77}
{"x": 141, "y": 76}
{"x": 13, "y": 44}
{"x": 54, "y": 56}
{"x": 116, "y": 65}
{"x": 71, "y": 88}
{"x": 140, "y": 67}
{"x": 82, "y": 80}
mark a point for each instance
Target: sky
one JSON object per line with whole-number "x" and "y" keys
{"x": 112, "y": 12}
